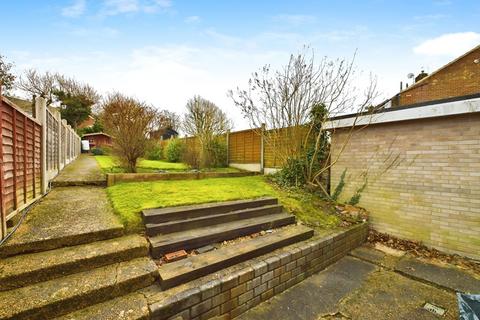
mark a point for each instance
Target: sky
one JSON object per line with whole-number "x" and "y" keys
{"x": 164, "y": 52}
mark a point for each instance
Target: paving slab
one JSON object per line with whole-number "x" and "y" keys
{"x": 368, "y": 254}
{"x": 356, "y": 289}
{"x": 315, "y": 296}
{"x": 64, "y": 217}
{"x": 82, "y": 171}
{"x": 448, "y": 277}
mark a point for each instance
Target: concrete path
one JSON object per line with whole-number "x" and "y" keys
{"x": 356, "y": 289}
{"x": 65, "y": 216}
{"x": 82, "y": 171}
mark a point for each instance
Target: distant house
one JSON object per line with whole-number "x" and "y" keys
{"x": 87, "y": 123}
{"x": 98, "y": 140}
{"x": 457, "y": 80}
{"x": 163, "y": 134}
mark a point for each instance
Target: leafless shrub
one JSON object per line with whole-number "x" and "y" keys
{"x": 128, "y": 121}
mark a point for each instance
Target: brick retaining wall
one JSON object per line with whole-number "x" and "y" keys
{"x": 230, "y": 296}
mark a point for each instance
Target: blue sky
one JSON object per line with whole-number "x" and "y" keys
{"x": 165, "y": 51}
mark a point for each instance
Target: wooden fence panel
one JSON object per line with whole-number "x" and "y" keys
{"x": 244, "y": 147}
{"x": 21, "y": 176}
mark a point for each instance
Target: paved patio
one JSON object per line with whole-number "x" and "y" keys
{"x": 370, "y": 284}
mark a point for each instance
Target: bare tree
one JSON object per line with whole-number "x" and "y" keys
{"x": 40, "y": 85}
{"x": 168, "y": 120}
{"x": 128, "y": 121}
{"x": 295, "y": 103}
{"x": 206, "y": 122}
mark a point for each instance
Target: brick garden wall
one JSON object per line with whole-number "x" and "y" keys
{"x": 434, "y": 194}
{"x": 230, "y": 296}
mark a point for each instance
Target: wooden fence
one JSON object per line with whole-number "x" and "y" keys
{"x": 32, "y": 152}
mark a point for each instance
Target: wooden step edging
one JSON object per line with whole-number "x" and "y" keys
{"x": 169, "y": 214}
{"x": 237, "y": 291}
{"x": 197, "y": 238}
{"x": 114, "y": 178}
{"x": 182, "y": 225}
{"x": 173, "y": 274}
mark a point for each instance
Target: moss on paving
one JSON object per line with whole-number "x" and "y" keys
{"x": 129, "y": 199}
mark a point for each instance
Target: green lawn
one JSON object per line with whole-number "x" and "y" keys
{"x": 110, "y": 164}
{"x": 129, "y": 199}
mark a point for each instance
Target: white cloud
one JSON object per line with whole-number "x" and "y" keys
{"x": 192, "y": 19}
{"x": 114, "y": 7}
{"x": 450, "y": 44}
{"x": 77, "y": 8}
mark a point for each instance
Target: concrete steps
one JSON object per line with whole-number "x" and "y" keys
{"x": 194, "y": 211}
{"x": 132, "y": 306}
{"x": 32, "y": 268}
{"x": 209, "y": 220}
{"x": 176, "y": 273}
{"x": 196, "y": 238}
{"x": 60, "y": 296}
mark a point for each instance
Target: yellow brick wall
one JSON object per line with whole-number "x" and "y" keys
{"x": 433, "y": 195}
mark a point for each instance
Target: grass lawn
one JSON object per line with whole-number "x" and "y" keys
{"x": 109, "y": 164}
{"x": 129, "y": 199}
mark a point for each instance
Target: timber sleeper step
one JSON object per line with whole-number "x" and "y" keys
{"x": 27, "y": 269}
{"x": 182, "y": 225}
{"x": 196, "y": 238}
{"x": 194, "y": 211}
{"x": 176, "y": 273}
{"x": 60, "y": 296}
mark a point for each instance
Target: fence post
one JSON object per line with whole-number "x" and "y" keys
{"x": 3, "y": 213}
{"x": 41, "y": 114}
{"x": 262, "y": 149}
{"x": 58, "y": 118}
{"x": 228, "y": 147}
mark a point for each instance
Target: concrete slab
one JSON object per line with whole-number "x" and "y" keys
{"x": 82, "y": 171}
{"x": 388, "y": 295}
{"x": 368, "y": 254}
{"x": 316, "y": 296}
{"x": 448, "y": 277}
{"x": 355, "y": 289}
{"x": 66, "y": 216}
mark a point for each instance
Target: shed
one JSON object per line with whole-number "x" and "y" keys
{"x": 98, "y": 139}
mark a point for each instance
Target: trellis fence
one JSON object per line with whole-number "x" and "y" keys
{"x": 33, "y": 151}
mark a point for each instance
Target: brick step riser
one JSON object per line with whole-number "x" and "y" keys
{"x": 70, "y": 268}
{"x": 200, "y": 212}
{"x": 158, "y": 250}
{"x": 172, "y": 282}
{"x": 153, "y": 230}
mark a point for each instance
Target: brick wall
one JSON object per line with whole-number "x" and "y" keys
{"x": 433, "y": 195}
{"x": 460, "y": 78}
{"x": 230, "y": 296}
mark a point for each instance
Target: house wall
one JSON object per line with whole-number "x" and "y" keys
{"x": 433, "y": 195}
{"x": 461, "y": 78}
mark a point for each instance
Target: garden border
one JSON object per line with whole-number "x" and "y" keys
{"x": 114, "y": 178}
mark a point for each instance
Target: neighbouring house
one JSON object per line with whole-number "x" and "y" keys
{"x": 87, "y": 123}
{"x": 163, "y": 134}
{"x": 457, "y": 80}
{"x": 432, "y": 193}
{"x": 98, "y": 139}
